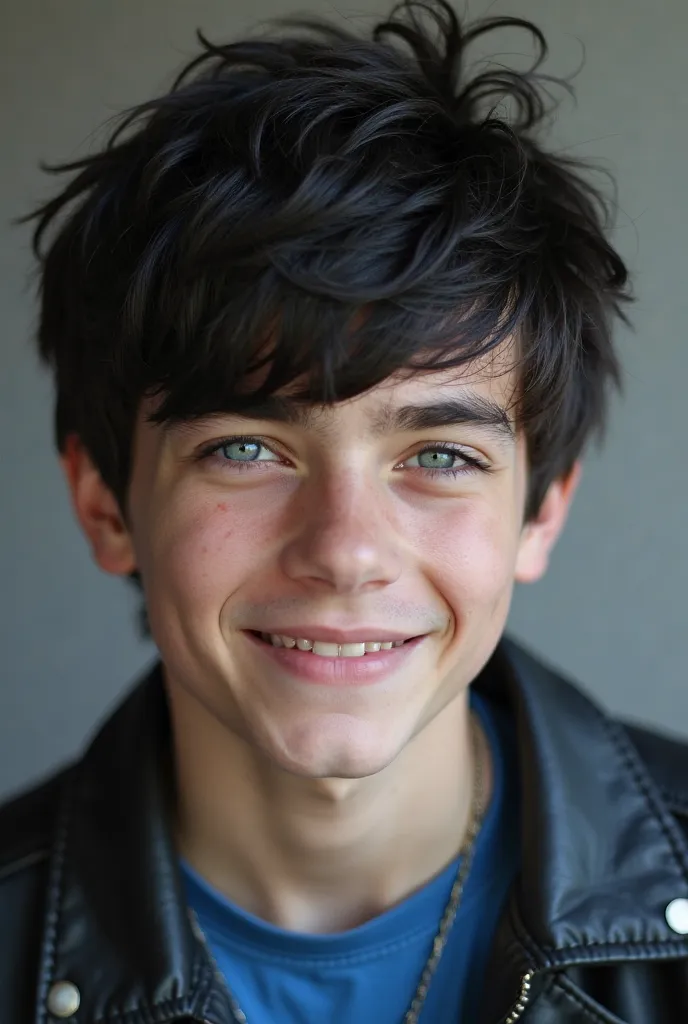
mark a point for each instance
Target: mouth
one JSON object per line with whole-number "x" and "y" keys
{"x": 326, "y": 649}
{"x": 355, "y": 663}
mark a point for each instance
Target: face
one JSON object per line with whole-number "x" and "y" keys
{"x": 397, "y": 516}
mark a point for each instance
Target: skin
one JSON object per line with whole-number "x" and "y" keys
{"x": 318, "y": 807}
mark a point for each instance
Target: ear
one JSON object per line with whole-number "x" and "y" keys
{"x": 97, "y": 511}
{"x": 540, "y": 535}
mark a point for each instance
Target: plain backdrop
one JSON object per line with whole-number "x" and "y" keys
{"x": 612, "y": 611}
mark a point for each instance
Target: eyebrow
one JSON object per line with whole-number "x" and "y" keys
{"x": 470, "y": 409}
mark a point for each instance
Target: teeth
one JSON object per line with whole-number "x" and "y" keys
{"x": 328, "y": 650}
{"x": 351, "y": 650}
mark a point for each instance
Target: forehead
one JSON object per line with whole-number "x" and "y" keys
{"x": 481, "y": 393}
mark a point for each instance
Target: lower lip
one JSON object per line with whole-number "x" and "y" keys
{"x": 315, "y": 668}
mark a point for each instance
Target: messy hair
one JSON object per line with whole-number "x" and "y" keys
{"x": 235, "y": 229}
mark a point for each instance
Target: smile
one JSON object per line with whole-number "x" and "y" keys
{"x": 327, "y": 663}
{"x": 330, "y": 650}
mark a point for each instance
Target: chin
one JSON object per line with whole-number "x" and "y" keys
{"x": 344, "y": 753}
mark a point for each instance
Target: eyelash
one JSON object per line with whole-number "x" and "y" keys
{"x": 471, "y": 462}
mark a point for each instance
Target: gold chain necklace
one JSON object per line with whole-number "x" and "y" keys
{"x": 453, "y": 903}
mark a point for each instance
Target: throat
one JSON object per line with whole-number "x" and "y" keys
{"x": 315, "y": 853}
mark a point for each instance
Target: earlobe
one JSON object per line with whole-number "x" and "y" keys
{"x": 97, "y": 511}
{"x": 541, "y": 534}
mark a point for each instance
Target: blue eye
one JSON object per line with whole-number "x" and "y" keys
{"x": 241, "y": 451}
{"x": 436, "y": 458}
{"x": 237, "y": 453}
{"x": 442, "y": 461}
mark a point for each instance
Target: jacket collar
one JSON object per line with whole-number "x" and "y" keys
{"x": 601, "y": 855}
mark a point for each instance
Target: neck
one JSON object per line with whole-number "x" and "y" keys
{"x": 320, "y": 855}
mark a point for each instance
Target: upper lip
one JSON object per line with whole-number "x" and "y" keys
{"x": 340, "y": 636}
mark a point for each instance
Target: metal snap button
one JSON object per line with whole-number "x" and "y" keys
{"x": 677, "y": 916}
{"x": 63, "y": 999}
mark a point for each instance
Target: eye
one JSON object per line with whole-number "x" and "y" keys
{"x": 238, "y": 453}
{"x": 245, "y": 449}
{"x": 447, "y": 460}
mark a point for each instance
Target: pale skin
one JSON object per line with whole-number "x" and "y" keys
{"x": 318, "y": 807}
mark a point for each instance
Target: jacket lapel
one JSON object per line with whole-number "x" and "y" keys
{"x": 601, "y": 855}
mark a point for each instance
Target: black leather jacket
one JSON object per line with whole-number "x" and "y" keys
{"x": 90, "y": 893}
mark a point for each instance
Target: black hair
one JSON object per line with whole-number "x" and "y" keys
{"x": 244, "y": 220}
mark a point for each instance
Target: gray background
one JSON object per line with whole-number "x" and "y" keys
{"x": 611, "y": 612}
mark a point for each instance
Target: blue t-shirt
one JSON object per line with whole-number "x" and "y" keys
{"x": 369, "y": 974}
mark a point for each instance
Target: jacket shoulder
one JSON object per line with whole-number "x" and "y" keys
{"x": 664, "y": 756}
{"x": 666, "y": 759}
{"x": 27, "y": 824}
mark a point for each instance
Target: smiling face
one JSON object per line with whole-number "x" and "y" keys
{"x": 398, "y": 514}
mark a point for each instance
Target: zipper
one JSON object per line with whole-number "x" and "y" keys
{"x": 521, "y": 1004}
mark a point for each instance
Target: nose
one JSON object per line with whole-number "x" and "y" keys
{"x": 345, "y": 540}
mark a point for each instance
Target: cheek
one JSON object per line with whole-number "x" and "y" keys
{"x": 197, "y": 552}
{"x": 471, "y": 552}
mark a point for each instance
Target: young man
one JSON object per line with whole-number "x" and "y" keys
{"x": 330, "y": 330}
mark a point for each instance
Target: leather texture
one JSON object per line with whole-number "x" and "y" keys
{"x": 90, "y": 891}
